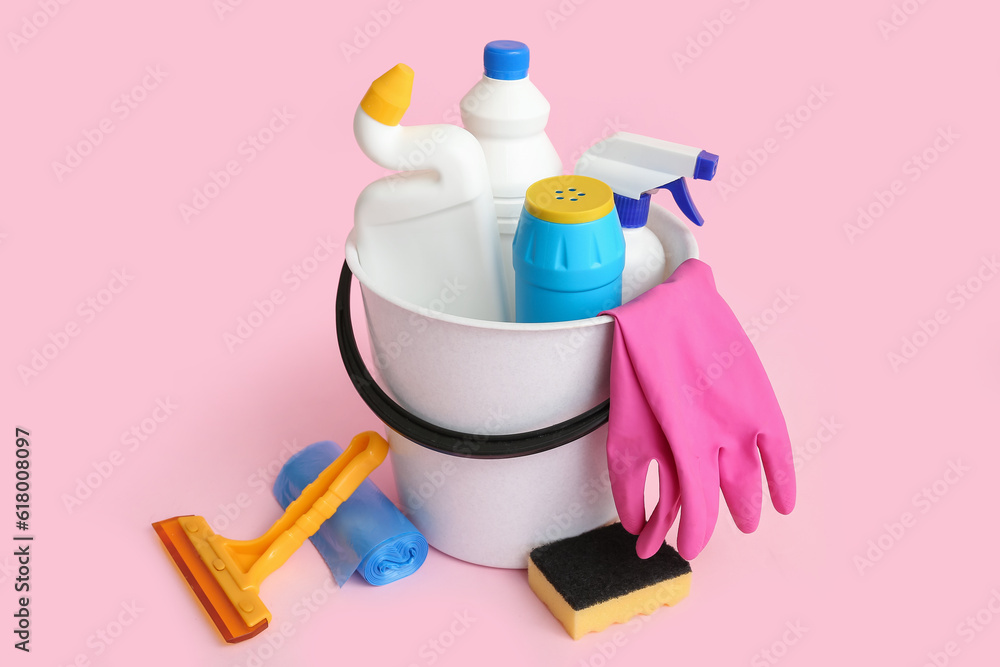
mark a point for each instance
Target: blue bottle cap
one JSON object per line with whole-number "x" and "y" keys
{"x": 506, "y": 60}
{"x": 632, "y": 212}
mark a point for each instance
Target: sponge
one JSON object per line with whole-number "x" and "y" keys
{"x": 595, "y": 579}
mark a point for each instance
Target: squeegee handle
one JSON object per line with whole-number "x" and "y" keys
{"x": 365, "y": 453}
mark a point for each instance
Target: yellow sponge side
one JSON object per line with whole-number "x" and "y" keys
{"x": 618, "y": 610}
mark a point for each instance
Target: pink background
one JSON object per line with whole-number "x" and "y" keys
{"x": 782, "y": 229}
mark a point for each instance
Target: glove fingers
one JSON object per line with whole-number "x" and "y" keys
{"x": 699, "y": 505}
{"x": 739, "y": 477}
{"x": 776, "y": 453}
{"x": 628, "y": 489}
{"x": 634, "y": 438}
{"x": 667, "y": 506}
{"x": 628, "y": 462}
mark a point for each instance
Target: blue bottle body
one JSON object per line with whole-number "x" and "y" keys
{"x": 567, "y": 271}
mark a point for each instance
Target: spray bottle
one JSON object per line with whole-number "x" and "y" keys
{"x": 635, "y": 167}
{"x": 427, "y": 235}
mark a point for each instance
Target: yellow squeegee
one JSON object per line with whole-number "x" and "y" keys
{"x": 226, "y": 574}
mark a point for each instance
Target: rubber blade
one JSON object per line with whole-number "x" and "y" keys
{"x": 217, "y": 604}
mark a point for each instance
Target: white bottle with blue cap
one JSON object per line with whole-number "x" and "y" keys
{"x": 508, "y": 114}
{"x": 635, "y": 167}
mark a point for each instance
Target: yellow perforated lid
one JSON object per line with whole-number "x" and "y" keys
{"x": 569, "y": 199}
{"x": 388, "y": 97}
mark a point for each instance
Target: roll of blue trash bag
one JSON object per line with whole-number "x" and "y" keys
{"x": 367, "y": 533}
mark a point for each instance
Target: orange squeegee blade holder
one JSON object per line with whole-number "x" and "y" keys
{"x": 216, "y": 603}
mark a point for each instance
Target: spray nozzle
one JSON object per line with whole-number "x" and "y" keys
{"x": 635, "y": 166}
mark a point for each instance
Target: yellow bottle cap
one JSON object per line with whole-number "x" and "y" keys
{"x": 569, "y": 199}
{"x": 388, "y": 97}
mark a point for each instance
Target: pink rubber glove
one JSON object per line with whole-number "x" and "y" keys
{"x": 689, "y": 392}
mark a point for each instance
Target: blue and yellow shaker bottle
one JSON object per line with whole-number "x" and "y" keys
{"x": 569, "y": 251}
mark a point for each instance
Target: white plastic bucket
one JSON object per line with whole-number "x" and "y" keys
{"x": 459, "y": 387}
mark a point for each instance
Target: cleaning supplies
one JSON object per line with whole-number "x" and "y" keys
{"x": 488, "y": 499}
{"x": 508, "y": 114}
{"x": 593, "y": 580}
{"x": 635, "y": 167}
{"x": 569, "y": 251}
{"x": 226, "y": 574}
{"x": 367, "y": 534}
{"x": 689, "y": 392}
{"x": 428, "y": 234}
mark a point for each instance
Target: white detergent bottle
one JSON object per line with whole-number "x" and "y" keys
{"x": 428, "y": 234}
{"x": 635, "y": 167}
{"x": 508, "y": 114}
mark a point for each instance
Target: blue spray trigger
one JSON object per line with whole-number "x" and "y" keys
{"x": 679, "y": 189}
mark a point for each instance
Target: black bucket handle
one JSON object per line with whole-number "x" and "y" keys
{"x": 437, "y": 438}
